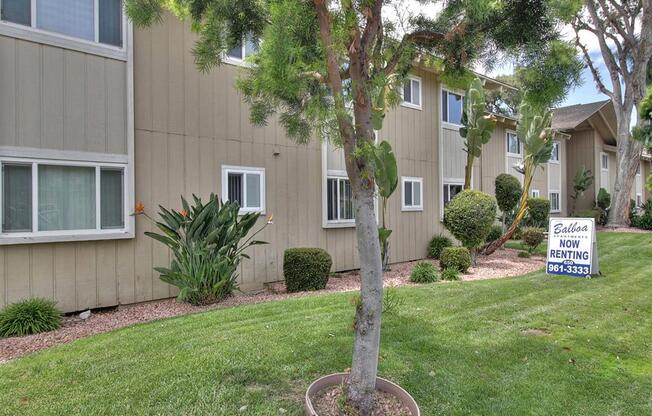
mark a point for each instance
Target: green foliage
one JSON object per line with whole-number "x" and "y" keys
{"x": 603, "y": 201}
{"x": 469, "y": 217}
{"x": 494, "y": 234}
{"x": 524, "y": 254}
{"x": 29, "y": 316}
{"x": 594, "y": 213}
{"x": 508, "y": 192}
{"x": 476, "y": 127}
{"x": 306, "y": 269}
{"x": 392, "y": 300}
{"x": 458, "y": 258}
{"x": 450, "y": 274}
{"x": 207, "y": 242}
{"x": 644, "y": 220}
{"x": 534, "y": 131}
{"x": 437, "y": 244}
{"x": 538, "y": 212}
{"x": 424, "y": 272}
{"x": 532, "y": 237}
{"x": 505, "y": 101}
{"x": 386, "y": 175}
{"x": 582, "y": 182}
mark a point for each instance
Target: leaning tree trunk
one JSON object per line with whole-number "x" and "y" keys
{"x": 628, "y": 159}
{"x": 468, "y": 170}
{"x": 520, "y": 214}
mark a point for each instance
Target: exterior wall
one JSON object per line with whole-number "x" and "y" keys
{"x": 580, "y": 151}
{"x": 556, "y": 179}
{"x": 54, "y": 98}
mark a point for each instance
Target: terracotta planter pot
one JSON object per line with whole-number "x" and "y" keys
{"x": 381, "y": 384}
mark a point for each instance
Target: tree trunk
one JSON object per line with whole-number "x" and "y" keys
{"x": 468, "y": 170}
{"x": 628, "y": 159}
{"x": 368, "y": 312}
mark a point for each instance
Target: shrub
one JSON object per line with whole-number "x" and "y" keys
{"x": 524, "y": 254}
{"x": 437, "y": 244}
{"x": 532, "y": 237}
{"x": 306, "y": 269}
{"x": 205, "y": 240}
{"x": 588, "y": 213}
{"x": 392, "y": 301}
{"x": 30, "y": 316}
{"x": 603, "y": 201}
{"x": 457, "y": 258}
{"x": 469, "y": 217}
{"x": 508, "y": 192}
{"x": 495, "y": 233}
{"x": 644, "y": 221}
{"x": 424, "y": 272}
{"x": 450, "y": 273}
{"x": 538, "y": 212}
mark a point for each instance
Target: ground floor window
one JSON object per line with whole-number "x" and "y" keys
{"x": 639, "y": 200}
{"x": 54, "y": 197}
{"x": 535, "y": 193}
{"x": 450, "y": 190}
{"x": 412, "y": 194}
{"x": 246, "y": 186}
{"x": 555, "y": 205}
{"x": 339, "y": 200}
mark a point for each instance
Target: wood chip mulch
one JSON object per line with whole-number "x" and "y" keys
{"x": 329, "y": 402}
{"x": 503, "y": 263}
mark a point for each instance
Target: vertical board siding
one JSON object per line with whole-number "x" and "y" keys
{"x": 580, "y": 151}
{"x": 52, "y": 98}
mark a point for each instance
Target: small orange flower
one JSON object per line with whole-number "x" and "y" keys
{"x": 183, "y": 213}
{"x": 270, "y": 219}
{"x": 140, "y": 208}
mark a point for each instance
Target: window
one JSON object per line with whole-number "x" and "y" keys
{"x": 412, "y": 194}
{"x": 244, "y": 49}
{"x": 46, "y": 198}
{"x": 412, "y": 92}
{"x": 535, "y": 193}
{"x": 450, "y": 190}
{"x": 245, "y": 186}
{"x": 513, "y": 143}
{"x": 339, "y": 200}
{"x": 554, "y": 201}
{"x": 604, "y": 160}
{"x": 98, "y": 21}
{"x": 639, "y": 200}
{"x": 451, "y": 107}
{"x": 554, "y": 154}
{"x": 638, "y": 170}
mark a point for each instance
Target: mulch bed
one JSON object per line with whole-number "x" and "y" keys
{"x": 329, "y": 402}
{"x": 624, "y": 230}
{"x": 503, "y": 263}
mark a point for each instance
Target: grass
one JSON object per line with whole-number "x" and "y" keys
{"x": 519, "y": 245}
{"x": 459, "y": 348}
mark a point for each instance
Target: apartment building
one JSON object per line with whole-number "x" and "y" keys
{"x": 96, "y": 116}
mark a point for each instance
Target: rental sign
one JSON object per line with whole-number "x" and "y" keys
{"x": 572, "y": 249}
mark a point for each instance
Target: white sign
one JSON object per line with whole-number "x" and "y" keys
{"x": 572, "y": 247}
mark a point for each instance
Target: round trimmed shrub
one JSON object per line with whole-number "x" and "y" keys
{"x": 306, "y": 268}
{"x": 532, "y": 237}
{"x": 450, "y": 274}
{"x": 538, "y": 212}
{"x": 603, "y": 199}
{"x": 469, "y": 217}
{"x": 508, "y": 192}
{"x": 458, "y": 258}
{"x": 495, "y": 233}
{"x": 29, "y": 316}
{"x": 424, "y": 272}
{"x": 437, "y": 244}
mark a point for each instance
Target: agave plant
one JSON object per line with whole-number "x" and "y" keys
{"x": 208, "y": 242}
{"x": 535, "y": 133}
{"x": 477, "y": 127}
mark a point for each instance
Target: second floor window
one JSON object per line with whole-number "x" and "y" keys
{"x": 244, "y": 49}
{"x": 554, "y": 155}
{"x": 412, "y": 92}
{"x": 451, "y": 104}
{"x": 513, "y": 144}
{"x": 94, "y": 21}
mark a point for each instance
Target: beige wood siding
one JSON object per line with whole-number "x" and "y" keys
{"x": 187, "y": 126}
{"x": 53, "y": 98}
{"x": 580, "y": 151}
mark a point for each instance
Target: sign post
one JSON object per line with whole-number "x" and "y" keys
{"x": 572, "y": 247}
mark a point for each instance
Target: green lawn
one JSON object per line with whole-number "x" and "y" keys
{"x": 459, "y": 348}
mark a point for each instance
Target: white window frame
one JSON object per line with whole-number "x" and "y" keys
{"x": 98, "y": 233}
{"x": 604, "y": 156}
{"x": 520, "y": 145}
{"x": 238, "y": 61}
{"x": 639, "y": 200}
{"x": 448, "y": 182}
{"x": 535, "y": 193}
{"x": 338, "y": 223}
{"x": 409, "y": 104}
{"x": 34, "y": 34}
{"x": 442, "y": 104}
{"x": 244, "y": 170}
{"x": 412, "y": 180}
{"x": 557, "y": 145}
{"x": 552, "y": 210}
